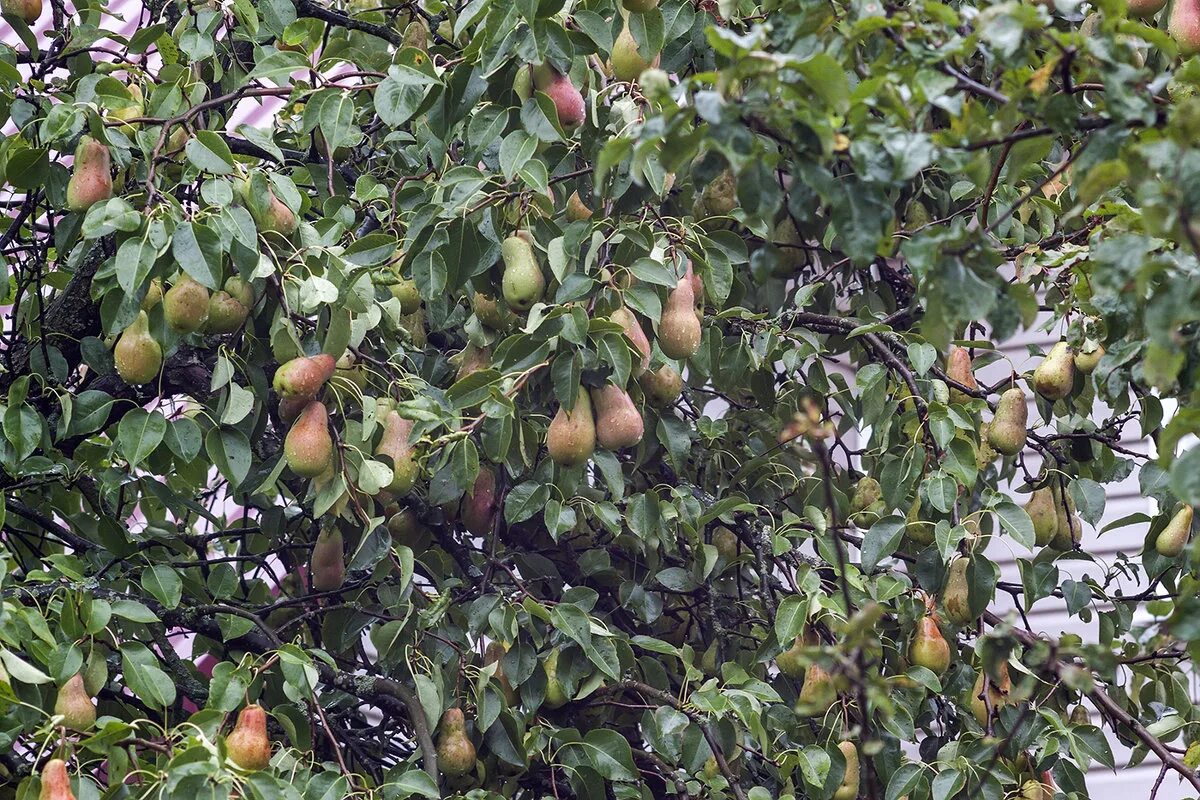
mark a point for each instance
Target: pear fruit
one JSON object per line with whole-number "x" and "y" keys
{"x": 848, "y": 790}
{"x": 308, "y": 447}
{"x": 154, "y": 294}
{"x": 917, "y": 530}
{"x": 571, "y": 437}
{"x": 28, "y": 11}
{"x": 405, "y": 290}
{"x": 1183, "y": 25}
{"x": 791, "y": 661}
{"x": 1173, "y": 538}
{"x": 227, "y": 313}
{"x": 568, "y": 101}
{"x": 577, "y": 210}
{"x": 247, "y": 744}
{"x": 135, "y": 109}
{"x": 1044, "y": 515}
{"x": 456, "y": 754}
{"x": 137, "y": 355}
{"x": 997, "y": 695}
{"x": 478, "y": 509}
{"x": 929, "y": 649}
{"x": 1055, "y": 376}
{"x": 395, "y": 444}
{"x": 726, "y": 542}
{"x": 556, "y": 695}
{"x": 956, "y": 594}
{"x": 1145, "y": 8}
{"x": 719, "y": 196}
{"x": 618, "y": 423}
{"x": 275, "y": 218}
{"x": 1006, "y": 433}
{"x": 817, "y": 694}
{"x": 984, "y": 454}
{"x": 328, "y": 562}
{"x": 523, "y": 283}
{"x": 1086, "y": 363}
{"x": 1068, "y": 531}
{"x": 678, "y": 327}
{"x": 473, "y": 359}
{"x": 185, "y": 305}
{"x": 74, "y": 704}
{"x": 304, "y": 376}
{"x": 490, "y": 312}
{"x": 493, "y": 654}
{"x": 627, "y": 62}
{"x": 91, "y": 175}
{"x": 56, "y": 783}
{"x": 639, "y": 5}
{"x": 960, "y": 369}
{"x": 867, "y": 504}
{"x": 633, "y": 330}
{"x": 662, "y": 386}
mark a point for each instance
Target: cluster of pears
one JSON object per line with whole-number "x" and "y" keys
{"x": 308, "y": 447}
{"x": 1055, "y": 522}
{"x": 455, "y": 752}
{"x": 662, "y": 386}
{"x": 607, "y": 416}
{"x": 91, "y": 173}
{"x": 247, "y": 744}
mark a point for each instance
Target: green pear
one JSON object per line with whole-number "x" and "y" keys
{"x": 571, "y": 437}
{"x": 618, "y": 423}
{"x": 1006, "y": 434}
{"x": 74, "y": 704}
{"x": 185, "y": 305}
{"x": 328, "y": 561}
{"x": 678, "y": 328}
{"x": 633, "y": 330}
{"x": 1044, "y": 515}
{"x": 396, "y": 445}
{"x": 1173, "y": 538}
{"x": 91, "y": 173}
{"x": 138, "y": 357}
{"x": 1054, "y": 378}
{"x": 848, "y": 789}
{"x": 791, "y": 662}
{"x": 817, "y": 694}
{"x": 1086, "y": 363}
{"x": 28, "y": 11}
{"x": 556, "y": 696}
{"x": 663, "y": 386}
{"x": 867, "y": 504}
{"x": 627, "y": 63}
{"x": 456, "y": 754}
{"x": 577, "y": 210}
{"x": 523, "y": 283}
{"x": 1068, "y": 532}
{"x": 956, "y": 594}
{"x": 405, "y": 290}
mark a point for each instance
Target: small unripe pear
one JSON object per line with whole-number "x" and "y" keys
{"x": 662, "y": 386}
{"x": 1006, "y": 434}
{"x": 328, "y": 562}
{"x": 956, "y": 594}
{"x": 138, "y": 357}
{"x": 523, "y": 283}
{"x": 456, "y": 754}
{"x": 848, "y": 790}
{"x": 627, "y": 62}
{"x": 395, "y": 444}
{"x": 719, "y": 197}
{"x": 91, "y": 173}
{"x": 576, "y": 209}
{"x": 960, "y": 369}
{"x": 308, "y": 447}
{"x": 929, "y": 649}
{"x": 556, "y": 696}
{"x": 867, "y": 504}
{"x": 74, "y": 704}
{"x": 133, "y": 111}
{"x": 247, "y": 744}
{"x": 633, "y": 329}
{"x": 1173, "y": 538}
{"x": 478, "y": 509}
{"x": 618, "y": 422}
{"x": 1080, "y": 715}
{"x": 571, "y": 437}
{"x": 568, "y": 101}
{"x": 817, "y": 694}
{"x": 1055, "y": 376}
{"x": 1043, "y": 514}
{"x": 1086, "y": 363}
{"x": 405, "y": 290}
{"x": 56, "y": 783}
{"x": 1183, "y": 25}
{"x": 304, "y": 376}
{"x": 185, "y": 305}
{"x": 1145, "y": 8}
{"x": 29, "y": 11}
{"x": 678, "y": 327}
{"x": 154, "y": 294}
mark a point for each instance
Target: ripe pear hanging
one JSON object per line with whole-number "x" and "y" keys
{"x": 138, "y": 357}
{"x": 817, "y": 694}
{"x": 956, "y": 594}
{"x": 1043, "y": 514}
{"x": 229, "y": 308}
{"x": 678, "y": 328}
{"x": 791, "y": 662}
{"x": 276, "y": 218}
{"x": 247, "y": 744}
{"x": 960, "y": 369}
{"x": 185, "y": 305}
{"x": 633, "y": 330}
{"x": 663, "y": 386}
{"x": 328, "y": 562}
{"x": 56, "y": 783}
{"x": 395, "y": 444}
{"x": 848, "y": 790}
{"x": 456, "y": 754}
{"x": 568, "y": 101}
{"x": 74, "y": 704}
{"x": 473, "y": 359}
{"x": 91, "y": 174}
{"x": 304, "y": 376}
{"x": 577, "y": 210}
{"x": 308, "y": 447}
{"x": 997, "y": 695}
{"x": 1054, "y": 378}
{"x": 571, "y": 437}
{"x": 1183, "y": 25}
{"x": 1068, "y": 532}
{"x": 929, "y": 649}
{"x": 405, "y": 290}
{"x": 1006, "y": 434}
{"x": 523, "y": 283}
{"x": 1145, "y": 8}
{"x": 618, "y": 422}
{"x": 627, "y": 63}
{"x": 1173, "y": 538}
{"x": 556, "y": 694}
{"x": 479, "y": 505}
{"x": 1086, "y": 363}
{"x": 494, "y": 654}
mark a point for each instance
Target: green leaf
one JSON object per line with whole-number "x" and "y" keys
{"x": 139, "y": 432}
{"x": 882, "y": 540}
{"x": 144, "y": 676}
{"x": 209, "y": 153}
{"x": 164, "y": 583}
{"x": 197, "y": 250}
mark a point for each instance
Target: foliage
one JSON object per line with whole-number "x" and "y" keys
{"x": 719, "y": 594}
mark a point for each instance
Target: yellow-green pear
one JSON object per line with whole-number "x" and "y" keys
{"x": 627, "y": 63}
{"x": 138, "y": 357}
{"x": 523, "y": 283}
{"x": 678, "y": 328}
{"x": 848, "y": 790}
{"x": 1086, "y": 363}
{"x": 1055, "y": 376}
{"x": 618, "y": 422}
{"x": 405, "y": 290}
{"x": 1173, "y": 538}
{"x": 556, "y": 696}
{"x": 1068, "y": 531}
{"x": 74, "y": 704}
{"x": 663, "y": 386}
{"x": 1006, "y": 433}
{"x": 577, "y": 210}
{"x": 396, "y": 445}
{"x": 185, "y": 305}
{"x": 956, "y": 594}
{"x": 456, "y": 754}
{"x": 328, "y": 561}
{"x": 1043, "y": 514}
{"x": 929, "y": 649}
{"x": 633, "y": 329}
{"x": 817, "y": 694}
{"x": 308, "y": 447}
{"x": 571, "y": 437}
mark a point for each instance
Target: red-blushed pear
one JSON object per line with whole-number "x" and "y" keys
{"x": 568, "y": 101}
{"x": 523, "y": 283}
{"x": 1145, "y": 8}
{"x": 91, "y": 175}
{"x": 1183, "y": 25}
{"x": 304, "y": 376}
{"x": 26, "y": 10}
{"x": 74, "y": 704}
{"x": 328, "y": 562}
{"x": 960, "y": 369}
{"x": 1173, "y": 538}
{"x": 618, "y": 422}
{"x": 929, "y": 649}
{"x": 678, "y": 327}
{"x": 138, "y": 357}
{"x": 56, "y": 783}
{"x": 633, "y": 329}
{"x": 308, "y": 447}
{"x": 571, "y": 437}
{"x": 247, "y": 744}
{"x": 185, "y": 305}
{"x": 456, "y": 754}
{"x": 479, "y": 504}
{"x": 277, "y": 218}
{"x": 395, "y": 444}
